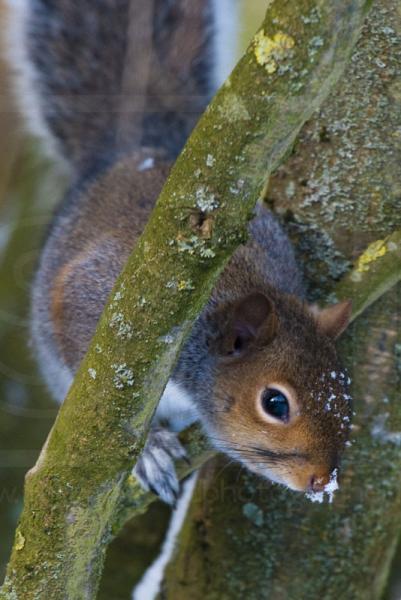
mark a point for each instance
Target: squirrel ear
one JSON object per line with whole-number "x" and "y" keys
{"x": 332, "y": 321}
{"x": 252, "y": 318}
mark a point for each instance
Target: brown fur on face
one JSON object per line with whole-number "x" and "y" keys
{"x": 296, "y": 356}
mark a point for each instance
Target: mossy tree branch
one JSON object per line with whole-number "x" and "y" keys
{"x": 72, "y": 496}
{"x": 376, "y": 271}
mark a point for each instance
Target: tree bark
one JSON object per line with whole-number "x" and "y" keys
{"x": 337, "y": 192}
{"x": 73, "y": 494}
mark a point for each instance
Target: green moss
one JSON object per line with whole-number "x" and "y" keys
{"x": 233, "y": 109}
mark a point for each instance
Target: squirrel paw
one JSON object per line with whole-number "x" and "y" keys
{"x": 155, "y": 468}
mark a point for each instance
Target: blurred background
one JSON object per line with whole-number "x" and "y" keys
{"x": 30, "y": 187}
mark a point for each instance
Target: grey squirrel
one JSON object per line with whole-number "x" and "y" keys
{"x": 259, "y": 370}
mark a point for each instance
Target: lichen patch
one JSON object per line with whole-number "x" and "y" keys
{"x": 19, "y": 540}
{"x": 233, "y": 109}
{"x": 205, "y": 200}
{"x": 123, "y": 377}
{"x": 270, "y": 52}
{"x": 374, "y": 251}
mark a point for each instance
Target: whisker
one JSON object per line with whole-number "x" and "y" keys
{"x": 265, "y": 452}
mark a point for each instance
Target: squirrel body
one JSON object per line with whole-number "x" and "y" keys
{"x": 259, "y": 370}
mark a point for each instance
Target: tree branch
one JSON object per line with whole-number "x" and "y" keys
{"x": 377, "y": 270}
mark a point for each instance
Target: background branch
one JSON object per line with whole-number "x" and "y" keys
{"x": 377, "y": 270}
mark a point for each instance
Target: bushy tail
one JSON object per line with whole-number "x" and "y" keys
{"x": 98, "y": 77}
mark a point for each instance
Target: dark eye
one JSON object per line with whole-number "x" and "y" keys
{"x": 275, "y": 404}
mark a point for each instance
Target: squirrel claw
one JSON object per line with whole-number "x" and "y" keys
{"x": 155, "y": 468}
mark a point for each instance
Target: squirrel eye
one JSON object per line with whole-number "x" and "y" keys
{"x": 275, "y": 404}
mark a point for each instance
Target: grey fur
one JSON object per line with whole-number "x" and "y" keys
{"x": 78, "y": 49}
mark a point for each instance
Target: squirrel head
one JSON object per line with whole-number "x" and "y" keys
{"x": 282, "y": 404}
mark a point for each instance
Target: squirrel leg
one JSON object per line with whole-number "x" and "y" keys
{"x": 155, "y": 468}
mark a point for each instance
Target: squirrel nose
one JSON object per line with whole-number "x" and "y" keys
{"x": 318, "y": 483}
